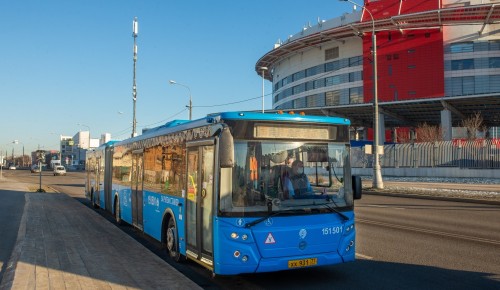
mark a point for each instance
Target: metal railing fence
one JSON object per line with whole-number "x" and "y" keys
{"x": 483, "y": 153}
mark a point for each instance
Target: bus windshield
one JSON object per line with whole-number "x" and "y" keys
{"x": 289, "y": 177}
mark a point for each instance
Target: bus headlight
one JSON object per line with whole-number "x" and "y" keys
{"x": 236, "y": 254}
{"x": 234, "y": 235}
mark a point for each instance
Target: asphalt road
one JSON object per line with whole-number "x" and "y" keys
{"x": 458, "y": 243}
{"x": 401, "y": 243}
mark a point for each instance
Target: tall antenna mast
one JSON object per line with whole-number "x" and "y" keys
{"x": 135, "y": 31}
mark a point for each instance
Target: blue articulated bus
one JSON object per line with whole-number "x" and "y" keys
{"x": 237, "y": 192}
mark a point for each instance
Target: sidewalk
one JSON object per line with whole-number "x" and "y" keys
{"x": 62, "y": 244}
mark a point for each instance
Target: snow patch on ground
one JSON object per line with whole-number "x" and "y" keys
{"x": 437, "y": 192}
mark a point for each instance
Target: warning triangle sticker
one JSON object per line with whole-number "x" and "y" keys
{"x": 270, "y": 239}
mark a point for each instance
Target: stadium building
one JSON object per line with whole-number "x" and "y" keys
{"x": 438, "y": 62}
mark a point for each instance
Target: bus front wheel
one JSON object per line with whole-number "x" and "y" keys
{"x": 173, "y": 241}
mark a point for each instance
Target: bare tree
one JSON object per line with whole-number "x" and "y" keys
{"x": 473, "y": 124}
{"x": 404, "y": 137}
{"x": 428, "y": 133}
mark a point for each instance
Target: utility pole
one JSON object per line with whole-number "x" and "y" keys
{"x": 135, "y": 31}
{"x": 263, "y": 70}
{"x": 377, "y": 173}
{"x": 40, "y": 155}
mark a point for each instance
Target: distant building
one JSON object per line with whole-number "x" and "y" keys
{"x": 106, "y": 137}
{"x": 66, "y": 150}
{"x": 73, "y": 149}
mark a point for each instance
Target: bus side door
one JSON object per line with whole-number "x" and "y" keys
{"x": 97, "y": 192}
{"x": 108, "y": 173}
{"x": 199, "y": 202}
{"x": 137, "y": 187}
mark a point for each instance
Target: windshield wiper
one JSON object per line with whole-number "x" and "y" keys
{"x": 344, "y": 217}
{"x": 257, "y": 221}
{"x": 253, "y": 223}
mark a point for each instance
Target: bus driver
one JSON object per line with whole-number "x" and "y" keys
{"x": 297, "y": 184}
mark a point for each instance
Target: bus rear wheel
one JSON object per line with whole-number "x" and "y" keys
{"x": 118, "y": 219}
{"x": 92, "y": 201}
{"x": 172, "y": 241}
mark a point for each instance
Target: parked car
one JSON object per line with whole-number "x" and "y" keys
{"x": 59, "y": 170}
{"x": 12, "y": 167}
{"x": 35, "y": 169}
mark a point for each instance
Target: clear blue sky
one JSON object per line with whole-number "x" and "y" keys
{"x": 69, "y": 62}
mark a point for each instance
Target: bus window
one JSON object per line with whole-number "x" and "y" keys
{"x": 263, "y": 172}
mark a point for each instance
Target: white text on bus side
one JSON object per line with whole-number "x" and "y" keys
{"x": 169, "y": 200}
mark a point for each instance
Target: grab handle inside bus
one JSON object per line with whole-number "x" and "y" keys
{"x": 226, "y": 149}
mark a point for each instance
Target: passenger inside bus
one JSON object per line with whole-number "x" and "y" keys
{"x": 296, "y": 184}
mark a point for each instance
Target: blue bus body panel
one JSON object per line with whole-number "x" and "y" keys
{"x": 102, "y": 199}
{"x": 155, "y": 206}
{"x": 125, "y": 199}
{"x": 126, "y": 204}
{"x": 271, "y": 244}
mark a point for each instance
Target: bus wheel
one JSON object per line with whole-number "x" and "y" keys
{"x": 92, "y": 199}
{"x": 94, "y": 205}
{"x": 118, "y": 219}
{"x": 173, "y": 241}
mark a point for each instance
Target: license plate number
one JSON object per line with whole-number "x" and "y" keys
{"x": 302, "y": 263}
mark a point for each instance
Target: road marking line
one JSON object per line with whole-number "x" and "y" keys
{"x": 364, "y": 256}
{"x": 458, "y": 236}
{"x": 383, "y": 206}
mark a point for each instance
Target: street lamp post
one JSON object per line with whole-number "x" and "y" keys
{"x": 263, "y": 69}
{"x": 13, "y": 160}
{"x": 377, "y": 174}
{"x": 172, "y": 82}
{"x": 17, "y": 142}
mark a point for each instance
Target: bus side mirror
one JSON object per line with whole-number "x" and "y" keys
{"x": 356, "y": 186}
{"x": 226, "y": 149}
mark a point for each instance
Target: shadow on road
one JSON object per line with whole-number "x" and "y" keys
{"x": 11, "y": 211}
{"x": 368, "y": 274}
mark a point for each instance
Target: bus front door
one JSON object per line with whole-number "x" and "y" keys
{"x": 137, "y": 186}
{"x": 199, "y": 205}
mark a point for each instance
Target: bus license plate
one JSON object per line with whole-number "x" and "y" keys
{"x": 302, "y": 263}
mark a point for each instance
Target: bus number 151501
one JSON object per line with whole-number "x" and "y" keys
{"x": 331, "y": 230}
